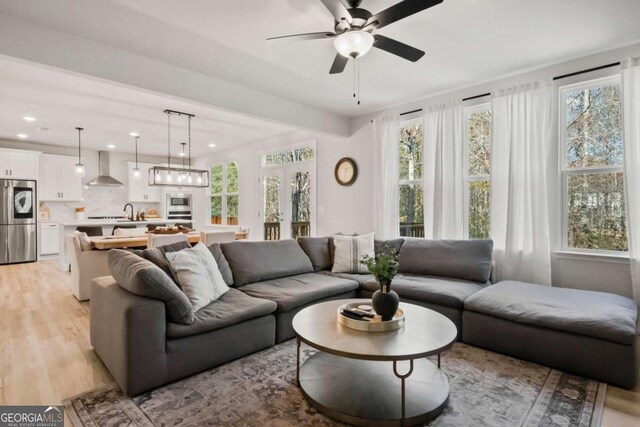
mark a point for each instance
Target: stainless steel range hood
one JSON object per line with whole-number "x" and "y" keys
{"x": 104, "y": 179}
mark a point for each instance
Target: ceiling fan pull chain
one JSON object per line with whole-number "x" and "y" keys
{"x": 358, "y": 82}
{"x": 354, "y": 77}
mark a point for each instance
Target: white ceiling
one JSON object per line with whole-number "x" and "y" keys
{"x": 467, "y": 41}
{"x": 62, "y": 101}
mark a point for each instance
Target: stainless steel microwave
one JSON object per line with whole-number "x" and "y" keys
{"x": 178, "y": 202}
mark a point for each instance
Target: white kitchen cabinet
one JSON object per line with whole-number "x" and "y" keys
{"x": 57, "y": 179}
{"x": 140, "y": 190}
{"x": 49, "y": 239}
{"x": 15, "y": 164}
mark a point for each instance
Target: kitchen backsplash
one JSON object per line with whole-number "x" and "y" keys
{"x": 98, "y": 201}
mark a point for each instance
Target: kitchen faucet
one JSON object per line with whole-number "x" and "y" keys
{"x": 131, "y": 218}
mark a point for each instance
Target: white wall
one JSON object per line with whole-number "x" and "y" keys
{"x": 98, "y": 201}
{"x": 340, "y": 209}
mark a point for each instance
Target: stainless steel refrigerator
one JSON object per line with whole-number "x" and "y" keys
{"x": 18, "y": 214}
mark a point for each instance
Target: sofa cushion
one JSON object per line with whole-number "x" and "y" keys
{"x": 317, "y": 249}
{"x": 594, "y": 314}
{"x": 394, "y": 244}
{"x": 231, "y": 308}
{"x": 295, "y": 291}
{"x": 435, "y": 290}
{"x": 142, "y": 277}
{"x": 256, "y": 261}
{"x": 157, "y": 256}
{"x": 223, "y": 265}
{"x": 458, "y": 259}
{"x": 360, "y": 278}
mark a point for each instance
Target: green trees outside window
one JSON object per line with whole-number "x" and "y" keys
{"x": 224, "y": 193}
{"x": 595, "y": 215}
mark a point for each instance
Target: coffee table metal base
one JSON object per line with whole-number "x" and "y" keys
{"x": 369, "y": 393}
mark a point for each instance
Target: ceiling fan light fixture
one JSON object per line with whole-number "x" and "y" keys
{"x": 354, "y": 43}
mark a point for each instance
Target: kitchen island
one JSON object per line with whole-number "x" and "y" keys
{"x": 68, "y": 227}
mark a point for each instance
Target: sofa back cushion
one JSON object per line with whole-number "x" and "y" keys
{"x": 317, "y": 249}
{"x": 223, "y": 265}
{"x": 388, "y": 245}
{"x": 257, "y": 261}
{"x": 458, "y": 259}
{"x": 157, "y": 256}
{"x": 143, "y": 278}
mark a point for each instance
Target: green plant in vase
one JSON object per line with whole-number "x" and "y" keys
{"x": 384, "y": 267}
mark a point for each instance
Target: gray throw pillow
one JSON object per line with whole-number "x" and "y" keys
{"x": 317, "y": 249}
{"x": 157, "y": 256}
{"x": 143, "y": 278}
{"x": 223, "y": 265}
{"x": 257, "y": 261}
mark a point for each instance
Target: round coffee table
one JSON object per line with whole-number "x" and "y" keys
{"x": 356, "y": 377}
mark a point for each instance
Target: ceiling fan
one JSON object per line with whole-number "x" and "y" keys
{"x": 354, "y": 27}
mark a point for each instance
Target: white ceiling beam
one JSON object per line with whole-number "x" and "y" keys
{"x": 36, "y": 43}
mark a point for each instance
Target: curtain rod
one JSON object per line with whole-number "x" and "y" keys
{"x": 586, "y": 71}
{"x": 412, "y": 111}
{"x": 482, "y": 95}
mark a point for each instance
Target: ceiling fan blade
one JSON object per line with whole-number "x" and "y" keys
{"x": 339, "y": 64}
{"x": 306, "y": 36}
{"x": 400, "y": 11}
{"x": 338, "y": 10}
{"x": 397, "y": 48}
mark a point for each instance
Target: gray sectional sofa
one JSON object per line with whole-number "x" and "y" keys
{"x": 143, "y": 329}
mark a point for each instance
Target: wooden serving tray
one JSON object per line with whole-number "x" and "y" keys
{"x": 374, "y": 325}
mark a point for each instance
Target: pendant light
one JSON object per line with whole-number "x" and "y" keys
{"x": 79, "y": 165}
{"x": 176, "y": 176}
{"x": 136, "y": 170}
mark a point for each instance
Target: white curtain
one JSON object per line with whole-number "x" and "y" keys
{"x": 631, "y": 114}
{"x": 522, "y": 138}
{"x": 443, "y": 172}
{"x": 386, "y": 133}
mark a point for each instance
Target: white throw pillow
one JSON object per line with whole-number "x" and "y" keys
{"x": 198, "y": 274}
{"x": 349, "y": 251}
{"x": 85, "y": 242}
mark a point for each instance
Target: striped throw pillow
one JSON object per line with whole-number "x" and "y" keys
{"x": 349, "y": 252}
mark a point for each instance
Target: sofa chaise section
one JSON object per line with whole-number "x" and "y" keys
{"x": 588, "y": 333}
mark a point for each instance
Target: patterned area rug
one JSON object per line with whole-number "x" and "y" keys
{"x": 487, "y": 389}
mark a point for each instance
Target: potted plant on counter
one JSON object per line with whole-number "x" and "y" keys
{"x": 384, "y": 267}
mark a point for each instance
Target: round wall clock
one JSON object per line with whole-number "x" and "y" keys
{"x": 346, "y": 171}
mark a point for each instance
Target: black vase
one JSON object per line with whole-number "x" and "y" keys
{"x": 385, "y": 302}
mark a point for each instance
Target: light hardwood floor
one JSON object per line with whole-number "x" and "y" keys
{"x": 45, "y": 354}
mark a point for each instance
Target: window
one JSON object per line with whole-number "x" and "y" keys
{"x": 290, "y": 156}
{"x": 477, "y": 171}
{"x": 224, "y": 193}
{"x": 411, "y": 186}
{"x": 592, "y": 162}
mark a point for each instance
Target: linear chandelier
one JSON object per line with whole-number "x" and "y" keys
{"x": 184, "y": 176}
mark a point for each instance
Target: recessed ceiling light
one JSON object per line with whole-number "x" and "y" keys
{"x": 212, "y": 145}
{"x": 134, "y": 134}
{"x": 111, "y": 146}
{"x": 22, "y": 135}
{"x": 181, "y": 154}
{"x": 29, "y": 118}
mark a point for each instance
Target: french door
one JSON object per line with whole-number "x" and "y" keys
{"x": 287, "y": 197}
